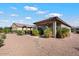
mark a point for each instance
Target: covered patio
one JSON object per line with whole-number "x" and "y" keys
{"x": 53, "y": 22}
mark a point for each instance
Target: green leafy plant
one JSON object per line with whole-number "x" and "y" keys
{"x": 59, "y": 33}
{"x": 48, "y": 32}
{"x": 63, "y": 32}
{"x": 1, "y": 42}
{"x": 35, "y": 32}
{"x": 1, "y": 30}
{"x": 41, "y": 32}
{"x": 6, "y": 30}
{"x": 20, "y": 32}
{"x": 29, "y": 32}
{"x": 2, "y": 37}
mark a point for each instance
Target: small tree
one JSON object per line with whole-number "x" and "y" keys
{"x": 35, "y": 32}
{"x": 48, "y": 32}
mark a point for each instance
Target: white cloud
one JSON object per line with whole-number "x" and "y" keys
{"x": 3, "y": 21}
{"x": 16, "y": 21}
{"x": 30, "y": 8}
{"x": 72, "y": 20}
{"x": 14, "y": 15}
{"x": 13, "y": 8}
{"x": 41, "y": 12}
{"x": 74, "y": 23}
{"x": 28, "y": 18}
{"x": 1, "y": 12}
{"x": 54, "y": 14}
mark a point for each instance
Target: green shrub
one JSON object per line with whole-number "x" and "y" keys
{"x": 48, "y": 32}
{"x": 20, "y": 32}
{"x": 77, "y": 31}
{"x": 65, "y": 32}
{"x": 1, "y": 30}
{"x": 1, "y": 42}
{"x": 14, "y": 31}
{"x": 24, "y": 32}
{"x": 62, "y": 33}
{"x": 6, "y": 30}
{"x": 29, "y": 32}
{"x": 35, "y": 32}
{"x": 41, "y": 32}
{"x": 2, "y": 37}
{"x": 59, "y": 33}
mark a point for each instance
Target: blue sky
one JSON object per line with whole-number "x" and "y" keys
{"x": 28, "y": 13}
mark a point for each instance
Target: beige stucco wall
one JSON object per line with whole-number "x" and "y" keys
{"x": 24, "y": 29}
{"x": 14, "y": 27}
{"x": 19, "y": 28}
{"x": 29, "y": 29}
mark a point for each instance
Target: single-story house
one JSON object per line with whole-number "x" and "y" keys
{"x": 54, "y": 23}
{"x": 19, "y": 26}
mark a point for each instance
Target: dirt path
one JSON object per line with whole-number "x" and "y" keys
{"x": 29, "y": 45}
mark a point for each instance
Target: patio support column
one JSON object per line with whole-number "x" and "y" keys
{"x": 36, "y": 27}
{"x": 54, "y": 29}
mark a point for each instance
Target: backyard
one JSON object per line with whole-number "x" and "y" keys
{"x": 27, "y": 45}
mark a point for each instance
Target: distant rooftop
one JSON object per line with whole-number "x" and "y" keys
{"x": 22, "y": 25}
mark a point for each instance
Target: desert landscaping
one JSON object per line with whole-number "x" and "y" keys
{"x": 39, "y": 29}
{"x": 27, "y": 45}
{"x": 42, "y": 39}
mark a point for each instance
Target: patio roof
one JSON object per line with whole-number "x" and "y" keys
{"x": 50, "y": 20}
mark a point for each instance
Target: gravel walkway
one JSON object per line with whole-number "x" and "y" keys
{"x": 27, "y": 45}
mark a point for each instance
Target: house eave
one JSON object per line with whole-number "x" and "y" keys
{"x": 51, "y": 20}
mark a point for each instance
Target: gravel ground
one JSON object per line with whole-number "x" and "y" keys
{"x": 27, "y": 45}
